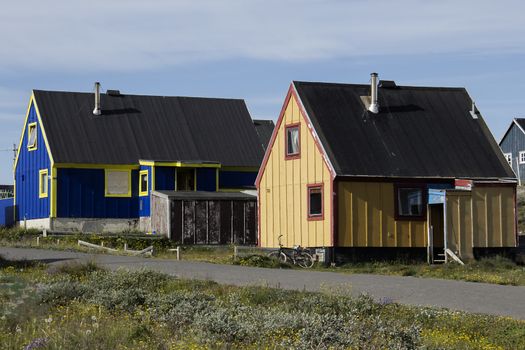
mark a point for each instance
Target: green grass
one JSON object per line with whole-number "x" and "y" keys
{"x": 86, "y": 307}
{"x": 496, "y": 270}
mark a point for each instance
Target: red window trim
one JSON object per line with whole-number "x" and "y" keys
{"x": 309, "y": 187}
{"x": 295, "y": 155}
{"x": 423, "y": 216}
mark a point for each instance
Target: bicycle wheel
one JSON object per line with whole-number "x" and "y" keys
{"x": 276, "y": 254}
{"x": 304, "y": 260}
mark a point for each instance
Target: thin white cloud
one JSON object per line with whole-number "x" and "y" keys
{"x": 131, "y": 34}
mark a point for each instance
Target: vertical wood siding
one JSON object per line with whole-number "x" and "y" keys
{"x": 283, "y": 190}
{"x": 366, "y": 218}
{"x": 481, "y": 218}
{"x": 28, "y": 203}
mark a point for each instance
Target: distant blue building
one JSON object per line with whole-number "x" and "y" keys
{"x": 513, "y": 147}
{"x": 88, "y": 162}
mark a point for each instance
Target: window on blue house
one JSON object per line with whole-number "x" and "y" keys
{"x": 43, "y": 183}
{"x": 508, "y": 158}
{"x": 143, "y": 183}
{"x": 118, "y": 183}
{"x": 32, "y": 136}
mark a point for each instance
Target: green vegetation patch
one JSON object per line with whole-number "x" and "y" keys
{"x": 86, "y": 307}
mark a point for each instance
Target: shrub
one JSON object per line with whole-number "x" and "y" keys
{"x": 79, "y": 270}
{"x": 63, "y": 292}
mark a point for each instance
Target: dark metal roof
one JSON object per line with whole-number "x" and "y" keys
{"x": 418, "y": 132}
{"x": 134, "y": 127}
{"x": 264, "y": 129}
{"x": 521, "y": 122}
{"x": 203, "y": 195}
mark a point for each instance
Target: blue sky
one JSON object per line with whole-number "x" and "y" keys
{"x": 253, "y": 49}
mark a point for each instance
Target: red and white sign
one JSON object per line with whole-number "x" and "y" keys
{"x": 462, "y": 184}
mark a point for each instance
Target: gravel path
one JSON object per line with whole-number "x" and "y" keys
{"x": 457, "y": 295}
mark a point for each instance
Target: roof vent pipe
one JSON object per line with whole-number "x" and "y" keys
{"x": 97, "y": 110}
{"x": 374, "y": 106}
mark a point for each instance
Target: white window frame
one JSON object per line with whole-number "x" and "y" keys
{"x": 508, "y": 158}
{"x": 522, "y": 157}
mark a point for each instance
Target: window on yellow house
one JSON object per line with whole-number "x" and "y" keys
{"x": 315, "y": 202}
{"x": 293, "y": 146}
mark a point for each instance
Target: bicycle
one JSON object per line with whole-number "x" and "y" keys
{"x": 297, "y": 255}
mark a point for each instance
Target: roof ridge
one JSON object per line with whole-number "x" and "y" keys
{"x": 138, "y": 95}
{"x": 455, "y": 88}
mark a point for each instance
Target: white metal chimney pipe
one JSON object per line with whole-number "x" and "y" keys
{"x": 374, "y": 106}
{"x": 97, "y": 110}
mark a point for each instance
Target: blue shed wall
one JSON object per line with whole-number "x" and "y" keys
{"x": 28, "y": 204}
{"x": 514, "y": 142}
{"x": 237, "y": 179}
{"x": 7, "y": 215}
{"x": 206, "y": 179}
{"x": 144, "y": 201}
{"x": 80, "y": 194}
{"x": 164, "y": 178}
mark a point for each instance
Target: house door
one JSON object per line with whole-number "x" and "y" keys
{"x": 437, "y": 231}
{"x": 185, "y": 179}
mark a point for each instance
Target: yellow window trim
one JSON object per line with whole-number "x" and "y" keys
{"x": 179, "y": 164}
{"x": 143, "y": 191}
{"x": 35, "y": 146}
{"x": 106, "y": 194}
{"x": 43, "y": 173}
{"x": 98, "y": 166}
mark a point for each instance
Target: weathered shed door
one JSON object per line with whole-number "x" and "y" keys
{"x": 214, "y": 221}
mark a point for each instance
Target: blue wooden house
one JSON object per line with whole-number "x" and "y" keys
{"x": 89, "y": 162}
{"x": 512, "y": 145}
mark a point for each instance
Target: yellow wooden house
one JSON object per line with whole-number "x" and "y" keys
{"x": 384, "y": 170}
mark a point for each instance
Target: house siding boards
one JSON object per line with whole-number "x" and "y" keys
{"x": 29, "y": 163}
{"x": 236, "y": 179}
{"x": 514, "y": 142}
{"x": 81, "y": 194}
{"x": 481, "y": 218}
{"x": 366, "y": 218}
{"x": 283, "y": 188}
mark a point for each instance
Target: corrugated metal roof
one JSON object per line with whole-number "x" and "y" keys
{"x": 134, "y": 127}
{"x": 264, "y": 129}
{"x": 418, "y": 132}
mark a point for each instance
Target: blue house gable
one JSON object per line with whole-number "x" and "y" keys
{"x": 77, "y": 170}
{"x": 32, "y": 170}
{"x": 513, "y": 147}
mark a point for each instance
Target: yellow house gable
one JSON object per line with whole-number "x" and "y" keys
{"x": 288, "y": 177}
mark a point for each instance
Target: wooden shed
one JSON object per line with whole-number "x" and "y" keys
{"x": 205, "y": 217}
{"x": 387, "y": 171}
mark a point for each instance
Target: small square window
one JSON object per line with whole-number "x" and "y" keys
{"x": 292, "y": 141}
{"x": 43, "y": 183}
{"x": 315, "y": 202}
{"x": 143, "y": 183}
{"x": 522, "y": 157}
{"x": 32, "y": 137}
{"x": 117, "y": 183}
{"x": 410, "y": 202}
{"x": 508, "y": 157}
